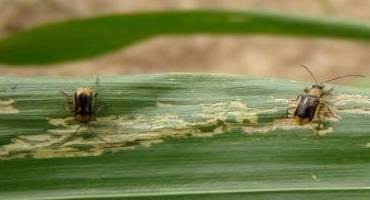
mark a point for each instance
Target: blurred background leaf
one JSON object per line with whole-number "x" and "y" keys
{"x": 79, "y": 39}
{"x": 184, "y": 36}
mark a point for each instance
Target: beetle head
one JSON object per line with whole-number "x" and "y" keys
{"x": 318, "y": 86}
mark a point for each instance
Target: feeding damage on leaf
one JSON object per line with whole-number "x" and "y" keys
{"x": 160, "y": 123}
{"x": 128, "y": 132}
{"x": 7, "y": 107}
{"x": 283, "y": 124}
{"x": 352, "y": 104}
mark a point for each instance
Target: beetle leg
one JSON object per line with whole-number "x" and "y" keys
{"x": 101, "y": 108}
{"x": 329, "y": 110}
{"x": 14, "y": 87}
{"x": 69, "y": 138}
{"x": 328, "y": 92}
{"x": 292, "y": 106}
{"x": 65, "y": 94}
{"x": 323, "y": 112}
{"x": 68, "y": 102}
{"x": 68, "y": 106}
{"x": 97, "y": 136}
{"x": 319, "y": 117}
{"x": 320, "y": 126}
{"x": 289, "y": 112}
{"x": 27, "y": 140}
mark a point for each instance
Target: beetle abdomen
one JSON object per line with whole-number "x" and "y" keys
{"x": 306, "y": 108}
{"x": 84, "y": 105}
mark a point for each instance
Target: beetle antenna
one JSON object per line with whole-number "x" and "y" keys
{"x": 97, "y": 81}
{"x": 339, "y": 77}
{"x": 310, "y": 72}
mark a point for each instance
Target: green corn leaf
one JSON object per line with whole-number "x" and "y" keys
{"x": 180, "y": 136}
{"x": 86, "y": 38}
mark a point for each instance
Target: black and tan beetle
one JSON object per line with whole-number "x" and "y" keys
{"x": 82, "y": 106}
{"x": 313, "y": 106}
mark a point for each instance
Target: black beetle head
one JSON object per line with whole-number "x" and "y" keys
{"x": 318, "y": 86}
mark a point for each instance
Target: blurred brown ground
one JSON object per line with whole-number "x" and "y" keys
{"x": 254, "y": 55}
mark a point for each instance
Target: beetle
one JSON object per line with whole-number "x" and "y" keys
{"x": 84, "y": 104}
{"x": 83, "y": 109}
{"x": 313, "y": 106}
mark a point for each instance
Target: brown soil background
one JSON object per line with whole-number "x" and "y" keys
{"x": 266, "y": 56}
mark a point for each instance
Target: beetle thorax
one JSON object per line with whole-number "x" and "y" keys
{"x": 315, "y": 92}
{"x": 84, "y": 91}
